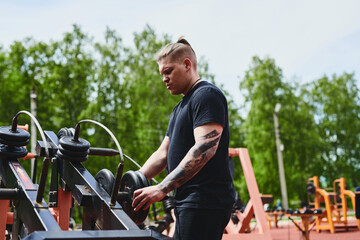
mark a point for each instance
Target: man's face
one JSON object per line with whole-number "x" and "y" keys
{"x": 174, "y": 75}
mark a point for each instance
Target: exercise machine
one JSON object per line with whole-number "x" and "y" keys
{"x": 335, "y": 203}
{"x": 107, "y": 211}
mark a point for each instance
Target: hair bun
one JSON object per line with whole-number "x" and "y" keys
{"x": 183, "y": 41}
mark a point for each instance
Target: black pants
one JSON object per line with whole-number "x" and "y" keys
{"x": 200, "y": 224}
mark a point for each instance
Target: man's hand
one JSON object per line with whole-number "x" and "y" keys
{"x": 144, "y": 197}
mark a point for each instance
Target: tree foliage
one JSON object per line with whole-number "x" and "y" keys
{"x": 319, "y": 128}
{"x": 76, "y": 78}
{"x": 119, "y": 86}
{"x": 335, "y": 101}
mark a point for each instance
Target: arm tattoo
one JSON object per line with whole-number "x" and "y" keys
{"x": 203, "y": 147}
{"x": 196, "y": 158}
{"x": 211, "y": 134}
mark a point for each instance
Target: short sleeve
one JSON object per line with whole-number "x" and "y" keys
{"x": 208, "y": 105}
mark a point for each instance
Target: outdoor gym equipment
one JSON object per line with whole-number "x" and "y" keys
{"x": 339, "y": 187}
{"x": 32, "y": 218}
{"x": 335, "y": 204}
{"x": 254, "y": 206}
{"x": 18, "y": 187}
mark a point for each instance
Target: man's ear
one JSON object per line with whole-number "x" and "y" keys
{"x": 187, "y": 63}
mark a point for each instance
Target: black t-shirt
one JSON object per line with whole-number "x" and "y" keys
{"x": 212, "y": 186}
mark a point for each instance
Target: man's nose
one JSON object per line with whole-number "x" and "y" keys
{"x": 165, "y": 79}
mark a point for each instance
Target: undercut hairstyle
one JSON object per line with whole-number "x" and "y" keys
{"x": 178, "y": 51}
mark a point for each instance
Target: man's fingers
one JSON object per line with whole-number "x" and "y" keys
{"x": 143, "y": 198}
{"x": 139, "y": 200}
{"x": 136, "y": 197}
{"x": 147, "y": 205}
{"x": 137, "y": 192}
{"x": 139, "y": 205}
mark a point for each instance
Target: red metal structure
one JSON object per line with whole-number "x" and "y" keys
{"x": 254, "y": 206}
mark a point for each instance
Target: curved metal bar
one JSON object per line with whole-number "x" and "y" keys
{"x": 77, "y": 130}
{"x": 76, "y": 137}
{"x": 14, "y": 126}
{"x": 121, "y": 164}
{"x": 132, "y": 160}
{"x": 45, "y": 167}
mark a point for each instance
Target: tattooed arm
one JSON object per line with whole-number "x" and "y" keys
{"x": 207, "y": 139}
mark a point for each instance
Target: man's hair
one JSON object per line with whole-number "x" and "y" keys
{"x": 178, "y": 51}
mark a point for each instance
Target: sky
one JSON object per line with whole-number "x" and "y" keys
{"x": 308, "y": 39}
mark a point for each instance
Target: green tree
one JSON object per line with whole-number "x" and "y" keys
{"x": 261, "y": 83}
{"x": 336, "y": 104}
{"x": 64, "y": 82}
{"x": 15, "y": 79}
{"x": 117, "y": 85}
{"x": 60, "y": 72}
{"x": 264, "y": 88}
{"x": 107, "y": 104}
{"x": 301, "y": 140}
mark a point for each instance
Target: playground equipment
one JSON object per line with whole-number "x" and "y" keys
{"x": 335, "y": 204}
{"x": 254, "y": 206}
{"x": 104, "y": 199}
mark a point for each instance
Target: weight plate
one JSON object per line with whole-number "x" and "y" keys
{"x": 296, "y": 211}
{"x": 168, "y": 204}
{"x": 73, "y": 153}
{"x": 317, "y": 211}
{"x": 142, "y": 178}
{"x": 71, "y": 158}
{"x": 310, "y": 188}
{"x": 11, "y": 151}
{"x": 14, "y": 143}
{"x": 289, "y": 211}
{"x": 106, "y": 180}
{"x": 70, "y": 144}
{"x": 130, "y": 182}
{"x": 65, "y": 132}
{"x": 19, "y": 136}
{"x": 308, "y": 211}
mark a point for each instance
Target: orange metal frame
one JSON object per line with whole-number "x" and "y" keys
{"x": 5, "y": 217}
{"x": 254, "y": 205}
{"x": 343, "y": 193}
{"x": 333, "y": 213}
{"x": 321, "y": 195}
{"x": 61, "y": 213}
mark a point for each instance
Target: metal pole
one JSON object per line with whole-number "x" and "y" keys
{"x": 280, "y": 160}
{"x": 33, "y": 129}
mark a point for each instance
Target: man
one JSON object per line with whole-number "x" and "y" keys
{"x": 194, "y": 150}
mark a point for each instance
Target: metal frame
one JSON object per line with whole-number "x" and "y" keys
{"x": 34, "y": 216}
{"x": 34, "y": 220}
{"x": 254, "y": 206}
{"x": 332, "y": 213}
{"x": 98, "y": 212}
